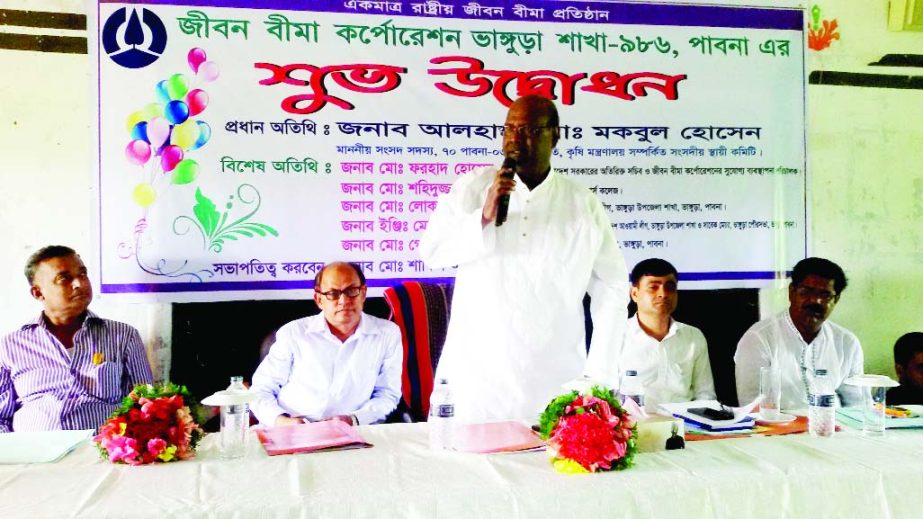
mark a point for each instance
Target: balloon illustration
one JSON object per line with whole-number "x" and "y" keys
{"x": 195, "y": 58}
{"x": 144, "y": 195}
{"x": 134, "y": 119}
{"x": 170, "y": 157}
{"x": 177, "y": 86}
{"x": 197, "y": 100}
{"x": 208, "y": 71}
{"x": 139, "y": 132}
{"x": 185, "y": 135}
{"x": 152, "y": 110}
{"x": 161, "y": 90}
{"x": 138, "y": 152}
{"x": 158, "y": 129}
{"x": 176, "y": 112}
{"x": 205, "y": 133}
{"x": 185, "y": 172}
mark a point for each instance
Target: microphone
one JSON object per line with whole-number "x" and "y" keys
{"x": 503, "y": 204}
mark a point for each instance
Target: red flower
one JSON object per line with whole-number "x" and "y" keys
{"x": 588, "y": 439}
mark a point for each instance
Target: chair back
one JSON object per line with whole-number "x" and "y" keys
{"x": 422, "y": 311}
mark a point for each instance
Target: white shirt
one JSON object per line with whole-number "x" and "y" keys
{"x": 309, "y": 372}
{"x": 776, "y": 341}
{"x": 517, "y": 329}
{"x": 675, "y": 369}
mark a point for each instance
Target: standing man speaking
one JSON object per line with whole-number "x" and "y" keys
{"x": 517, "y": 328}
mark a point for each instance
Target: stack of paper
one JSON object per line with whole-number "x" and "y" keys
{"x": 741, "y": 420}
{"x": 40, "y": 447}
{"x": 310, "y": 437}
{"x": 495, "y": 437}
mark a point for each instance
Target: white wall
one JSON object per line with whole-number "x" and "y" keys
{"x": 866, "y": 160}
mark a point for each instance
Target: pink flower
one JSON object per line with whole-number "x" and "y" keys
{"x": 122, "y": 449}
{"x": 156, "y": 445}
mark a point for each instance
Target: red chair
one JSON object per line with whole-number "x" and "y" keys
{"x": 422, "y": 312}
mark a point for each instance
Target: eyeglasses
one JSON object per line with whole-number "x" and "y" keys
{"x": 334, "y": 294}
{"x": 531, "y": 131}
{"x": 812, "y": 293}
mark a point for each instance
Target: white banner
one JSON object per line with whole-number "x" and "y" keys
{"x": 239, "y": 149}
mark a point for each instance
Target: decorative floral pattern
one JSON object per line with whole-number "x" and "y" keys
{"x": 214, "y": 225}
{"x": 821, "y": 33}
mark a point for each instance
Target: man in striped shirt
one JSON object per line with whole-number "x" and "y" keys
{"x": 69, "y": 368}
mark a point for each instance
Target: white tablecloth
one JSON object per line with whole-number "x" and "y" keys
{"x": 783, "y": 476}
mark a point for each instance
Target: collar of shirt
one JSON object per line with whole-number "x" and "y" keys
{"x": 634, "y": 326}
{"x": 818, "y": 339}
{"x": 318, "y": 324}
{"x": 39, "y": 322}
{"x": 542, "y": 189}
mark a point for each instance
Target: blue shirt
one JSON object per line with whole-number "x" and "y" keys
{"x": 43, "y": 386}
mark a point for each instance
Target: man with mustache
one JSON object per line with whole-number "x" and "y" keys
{"x": 813, "y": 354}
{"x": 341, "y": 364}
{"x": 670, "y": 357}
{"x": 69, "y": 368}
{"x": 517, "y": 328}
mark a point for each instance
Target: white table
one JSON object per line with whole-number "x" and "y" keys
{"x": 783, "y": 476}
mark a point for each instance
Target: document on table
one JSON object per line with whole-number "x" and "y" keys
{"x": 495, "y": 437}
{"x": 741, "y": 419}
{"x": 310, "y": 437}
{"x": 40, "y": 446}
{"x": 852, "y": 416}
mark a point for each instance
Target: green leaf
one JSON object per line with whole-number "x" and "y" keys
{"x": 242, "y": 232}
{"x": 205, "y": 213}
{"x": 255, "y": 228}
{"x": 268, "y": 229}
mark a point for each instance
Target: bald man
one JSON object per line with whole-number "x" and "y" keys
{"x": 341, "y": 364}
{"x": 517, "y": 327}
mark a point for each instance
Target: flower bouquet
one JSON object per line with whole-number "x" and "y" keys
{"x": 153, "y": 423}
{"x": 588, "y": 432}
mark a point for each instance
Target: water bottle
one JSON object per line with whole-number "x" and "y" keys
{"x": 631, "y": 387}
{"x": 441, "y": 416}
{"x": 821, "y": 406}
{"x": 235, "y": 421}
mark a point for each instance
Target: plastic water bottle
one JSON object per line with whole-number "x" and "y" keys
{"x": 441, "y": 416}
{"x": 631, "y": 387}
{"x": 235, "y": 421}
{"x": 821, "y": 406}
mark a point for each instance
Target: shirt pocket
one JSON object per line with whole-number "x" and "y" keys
{"x": 105, "y": 381}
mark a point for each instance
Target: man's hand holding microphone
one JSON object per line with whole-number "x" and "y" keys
{"x": 498, "y": 196}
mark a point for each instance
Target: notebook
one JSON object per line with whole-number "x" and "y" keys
{"x": 740, "y": 421}
{"x": 495, "y": 437}
{"x": 310, "y": 437}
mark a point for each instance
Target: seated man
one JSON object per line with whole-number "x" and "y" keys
{"x": 802, "y": 342}
{"x": 908, "y": 363}
{"x": 69, "y": 368}
{"x": 671, "y": 358}
{"x": 341, "y": 364}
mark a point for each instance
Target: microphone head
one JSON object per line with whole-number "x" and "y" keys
{"x": 508, "y": 163}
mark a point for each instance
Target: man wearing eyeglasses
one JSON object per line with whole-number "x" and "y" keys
{"x": 813, "y": 354}
{"x": 341, "y": 364}
{"x": 517, "y": 328}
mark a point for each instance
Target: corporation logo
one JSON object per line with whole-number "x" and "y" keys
{"x": 132, "y": 42}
